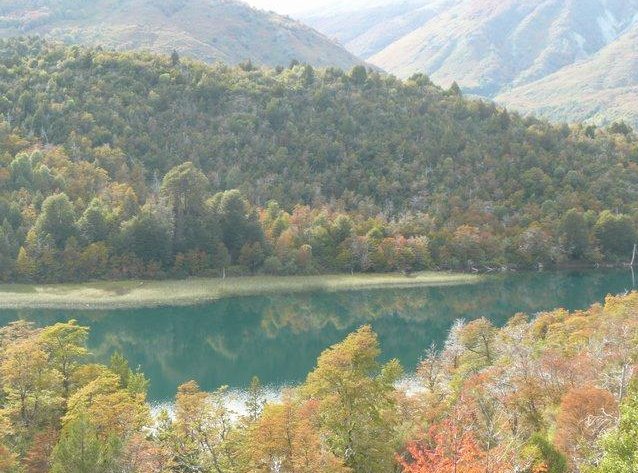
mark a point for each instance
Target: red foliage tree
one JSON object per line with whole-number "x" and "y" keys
{"x": 451, "y": 448}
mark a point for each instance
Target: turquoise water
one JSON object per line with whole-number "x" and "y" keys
{"x": 278, "y": 338}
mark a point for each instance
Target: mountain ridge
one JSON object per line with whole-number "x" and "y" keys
{"x": 491, "y": 48}
{"x": 598, "y": 89}
{"x": 229, "y": 31}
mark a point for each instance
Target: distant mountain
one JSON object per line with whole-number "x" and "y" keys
{"x": 211, "y": 30}
{"x": 499, "y": 48}
{"x": 367, "y": 27}
{"x": 599, "y": 89}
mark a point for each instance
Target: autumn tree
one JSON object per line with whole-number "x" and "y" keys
{"x": 29, "y": 385}
{"x": 478, "y": 339}
{"x": 585, "y": 413}
{"x": 256, "y": 399}
{"x": 202, "y": 434}
{"x": 450, "y": 446}
{"x": 355, "y": 402}
{"x": 286, "y": 438}
{"x": 66, "y": 345}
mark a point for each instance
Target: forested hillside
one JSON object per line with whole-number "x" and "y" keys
{"x": 124, "y": 165}
{"x": 555, "y": 393}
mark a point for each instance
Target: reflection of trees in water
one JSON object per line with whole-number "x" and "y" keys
{"x": 279, "y": 337}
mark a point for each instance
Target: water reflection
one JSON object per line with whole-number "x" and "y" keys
{"x": 279, "y": 337}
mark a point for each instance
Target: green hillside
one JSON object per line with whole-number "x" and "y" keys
{"x": 370, "y": 173}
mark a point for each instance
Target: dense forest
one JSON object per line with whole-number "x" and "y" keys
{"x": 122, "y": 165}
{"x": 555, "y": 393}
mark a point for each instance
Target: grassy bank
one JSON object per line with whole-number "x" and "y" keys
{"x": 128, "y": 294}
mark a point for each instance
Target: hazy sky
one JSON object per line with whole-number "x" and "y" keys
{"x": 288, "y": 6}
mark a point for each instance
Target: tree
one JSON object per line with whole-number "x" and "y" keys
{"x": 616, "y": 234}
{"x": 81, "y": 450}
{"x": 535, "y": 246}
{"x": 285, "y": 438}
{"x": 359, "y": 75}
{"x": 93, "y": 226}
{"x": 620, "y": 445}
{"x": 93, "y": 262}
{"x": 462, "y": 458}
{"x": 239, "y": 222}
{"x": 255, "y": 402}
{"x": 252, "y": 255}
{"x": 185, "y": 188}
{"x": 66, "y": 345}
{"x": 478, "y": 340}
{"x": 25, "y": 264}
{"x": 620, "y": 128}
{"x": 8, "y": 461}
{"x": 21, "y": 171}
{"x": 449, "y": 447}
{"x": 355, "y": 402}
{"x": 119, "y": 365}
{"x": 114, "y": 411}
{"x": 38, "y": 458}
{"x": 203, "y": 429}
{"x": 28, "y": 384}
{"x": 174, "y": 58}
{"x": 574, "y": 235}
{"x": 585, "y": 413}
{"x": 56, "y": 220}
{"x": 543, "y": 456}
{"x": 148, "y": 236}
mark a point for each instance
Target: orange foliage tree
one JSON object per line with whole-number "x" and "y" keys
{"x": 585, "y": 413}
{"x": 450, "y": 447}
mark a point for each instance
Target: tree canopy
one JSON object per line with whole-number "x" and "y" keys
{"x": 134, "y": 165}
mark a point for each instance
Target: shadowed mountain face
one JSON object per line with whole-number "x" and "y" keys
{"x": 504, "y": 48}
{"x": 211, "y": 30}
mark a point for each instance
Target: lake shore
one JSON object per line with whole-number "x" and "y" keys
{"x": 139, "y": 294}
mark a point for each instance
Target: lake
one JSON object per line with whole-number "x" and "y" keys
{"x": 279, "y": 337}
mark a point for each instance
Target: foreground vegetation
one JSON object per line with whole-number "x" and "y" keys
{"x": 123, "y": 165}
{"x": 193, "y": 291}
{"x": 556, "y": 393}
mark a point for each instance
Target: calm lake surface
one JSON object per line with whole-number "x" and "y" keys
{"x": 278, "y": 338}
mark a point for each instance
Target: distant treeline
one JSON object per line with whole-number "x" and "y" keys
{"x": 118, "y": 165}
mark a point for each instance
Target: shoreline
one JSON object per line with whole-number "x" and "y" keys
{"x": 112, "y": 295}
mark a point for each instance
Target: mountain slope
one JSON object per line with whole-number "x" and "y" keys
{"x": 490, "y": 44}
{"x": 365, "y": 28}
{"x": 210, "y": 30}
{"x": 601, "y": 88}
{"x": 497, "y": 47}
